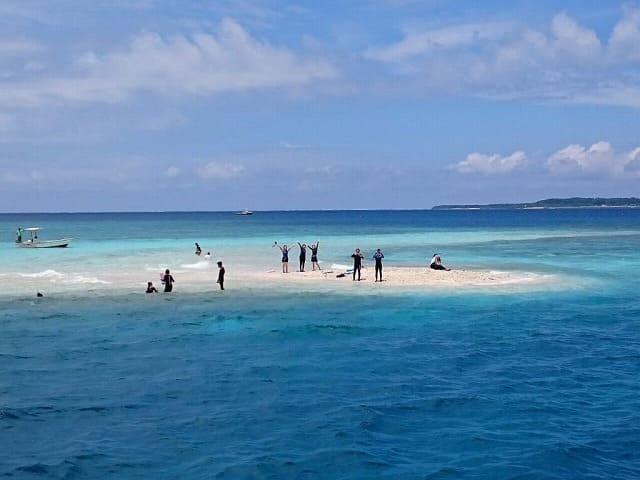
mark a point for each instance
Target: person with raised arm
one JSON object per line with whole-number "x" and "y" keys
{"x": 285, "y": 256}
{"x": 314, "y": 255}
{"x": 303, "y": 255}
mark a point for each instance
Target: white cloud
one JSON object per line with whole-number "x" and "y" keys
{"x": 294, "y": 146}
{"x": 202, "y": 64}
{"x": 564, "y": 62}
{"x": 600, "y": 158}
{"x": 34, "y": 66}
{"x": 9, "y": 177}
{"x": 490, "y": 164}
{"x": 18, "y": 47}
{"x": 439, "y": 40}
{"x": 625, "y": 38}
{"x": 172, "y": 172}
{"x": 572, "y": 40}
{"x": 220, "y": 171}
{"x": 633, "y": 162}
{"x": 324, "y": 170}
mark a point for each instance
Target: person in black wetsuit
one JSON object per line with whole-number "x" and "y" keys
{"x": 314, "y": 256}
{"x": 357, "y": 263}
{"x": 285, "y": 257}
{"x": 303, "y": 255}
{"x": 378, "y": 256}
{"x": 221, "y": 272}
{"x": 168, "y": 280}
{"x": 151, "y": 288}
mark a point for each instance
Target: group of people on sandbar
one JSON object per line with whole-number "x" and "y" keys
{"x": 284, "y": 249}
{"x": 436, "y": 263}
{"x": 357, "y": 256}
{"x": 167, "y": 279}
{"x": 357, "y": 264}
{"x": 198, "y": 252}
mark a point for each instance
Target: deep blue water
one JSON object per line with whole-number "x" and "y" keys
{"x": 274, "y": 384}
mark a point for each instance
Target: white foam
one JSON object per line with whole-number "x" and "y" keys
{"x": 43, "y": 274}
{"x": 80, "y": 279}
{"x": 203, "y": 265}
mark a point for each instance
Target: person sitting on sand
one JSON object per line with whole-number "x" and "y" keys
{"x": 314, "y": 256}
{"x": 357, "y": 263}
{"x": 436, "y": 263}
{"x": 285, "y": 256}
{"x": 198, "y": 249}
{"x": 151, "y": 288}
{"x": 378, "y": 256}
{"x": 303, "y": 255}
{"x": 168, "y": 280}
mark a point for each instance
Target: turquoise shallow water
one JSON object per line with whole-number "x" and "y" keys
{"x": 273, "y": 383}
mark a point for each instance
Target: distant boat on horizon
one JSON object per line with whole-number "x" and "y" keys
{"x": 245, "y": 212}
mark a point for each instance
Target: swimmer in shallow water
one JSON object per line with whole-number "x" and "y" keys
{"x": 151, "y": 288}
{"x": 168, "y": 280}
{"x": 221, "y": 272}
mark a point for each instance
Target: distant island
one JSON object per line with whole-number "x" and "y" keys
{"x": 575, "y": 202}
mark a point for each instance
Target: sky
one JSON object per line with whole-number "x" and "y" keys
{"x": 160, "y": 105}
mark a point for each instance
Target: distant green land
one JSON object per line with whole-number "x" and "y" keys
{"x": 575, "y": 202}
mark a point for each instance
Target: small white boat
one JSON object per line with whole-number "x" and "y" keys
{"x": 34, "y": 242}
{"x": 245, "y": 212}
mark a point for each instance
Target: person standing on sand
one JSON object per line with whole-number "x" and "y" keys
{"x": 378, "y": 256}
{"x": 168, "y": 281}
{"x": 314, "y": 255}
{"x": 436, "y": 263}
{"x": 285, "y": 256}
{"x": 221, "y": 272}
{"x": 357, "y": 263}
{"x": 303, "y": 255}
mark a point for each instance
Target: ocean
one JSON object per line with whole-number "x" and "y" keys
{"x": 272, "y": 380}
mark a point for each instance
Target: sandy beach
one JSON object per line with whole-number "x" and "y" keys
{"x": 399, "y": 277}
{"x": 203, "y": 278}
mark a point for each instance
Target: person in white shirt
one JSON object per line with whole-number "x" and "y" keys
{"x": 436, "y": 263}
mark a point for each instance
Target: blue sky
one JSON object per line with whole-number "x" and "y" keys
{"x": 151, "y": 105}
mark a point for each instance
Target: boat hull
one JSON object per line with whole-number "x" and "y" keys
{"x": 59, "y": 243}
